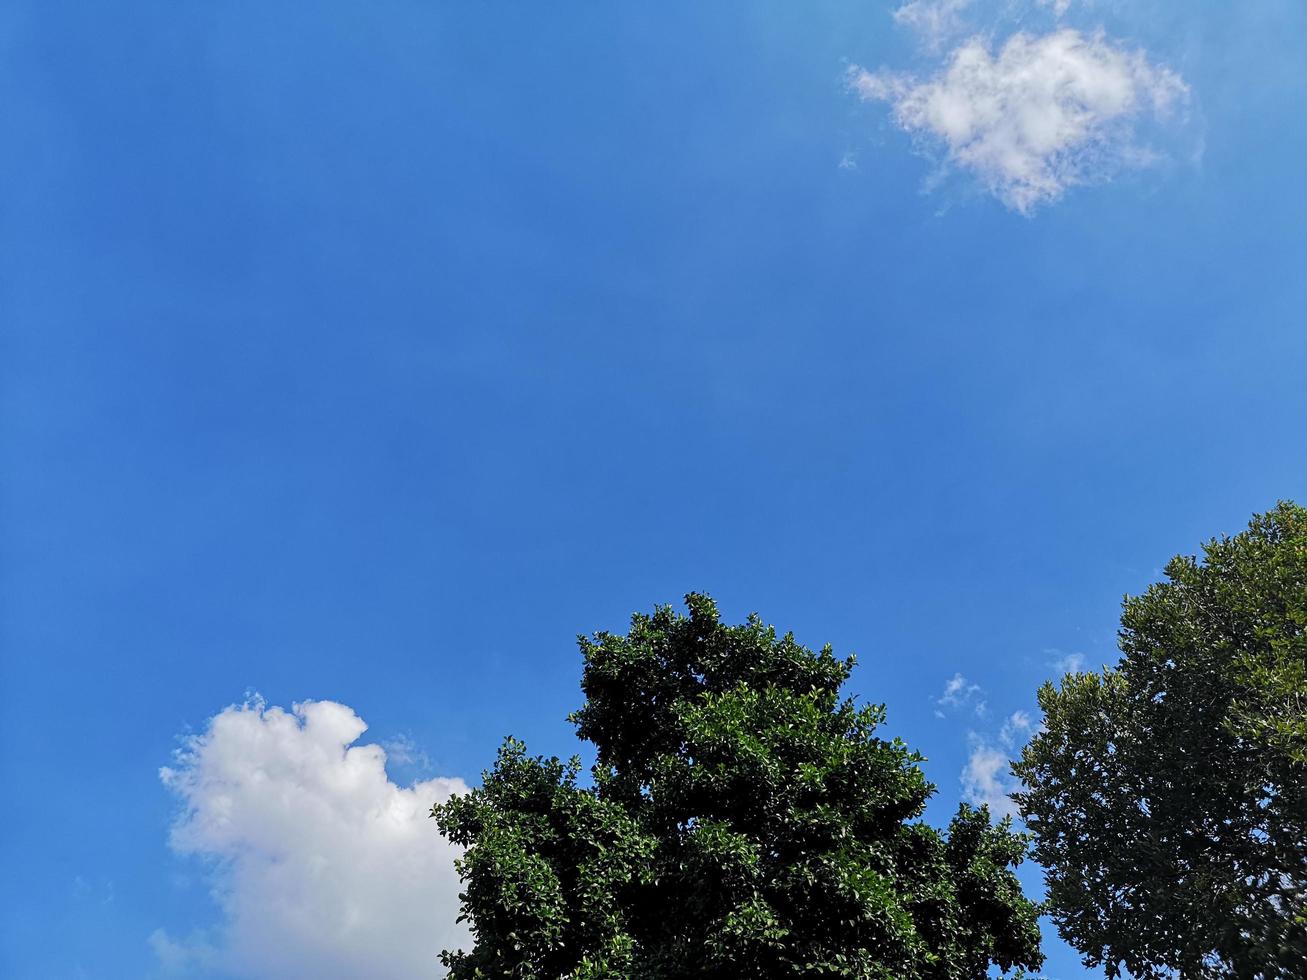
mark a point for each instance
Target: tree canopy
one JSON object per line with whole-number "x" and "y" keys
{"x": 1167, "y": 795}
{"x": 744, "y": 820}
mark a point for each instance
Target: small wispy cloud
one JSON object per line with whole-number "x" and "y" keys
{"x": 1066, "y": 663}
{"x": 1016, "y": 728}
{"x": 183, "y": 957}
{"x": 958, "y": 690}
{"x": 100, "y": 891}
{"x": 401, "y": 750}
{"x": 960, "y": 693}
{"x": 933, "y": 21}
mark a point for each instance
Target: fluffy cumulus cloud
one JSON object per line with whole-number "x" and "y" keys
{"x": 323, "y": 866}
{"x": 1038, "y": 116}
{"x": 1024, "y": 102}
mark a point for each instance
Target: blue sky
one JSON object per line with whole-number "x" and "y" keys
{"x": 369, "y": 353}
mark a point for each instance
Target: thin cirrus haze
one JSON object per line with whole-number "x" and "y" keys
{"x": 322, "y": 866}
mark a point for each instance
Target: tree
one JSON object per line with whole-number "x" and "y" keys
{"x": 1167, "y": 796}
{"x": 744, "y": 821}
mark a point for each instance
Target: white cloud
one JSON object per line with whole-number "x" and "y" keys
{"x": 960, "y": 693}
{"x": 987, "y": 779}
{"x": 1042, "y": 115}
{"x": 1015, "y": 727}
{"x": 937, "y": 21}
{"x": 324, "y": 867}
{"x": 182, "y": 957}
{"x": 403, "y": 751}
{"x": 957, "y": 689}
{"x": 1067, "y": 663}
{"x": 934, "y": 21}
{"x": 1060, "y": 7}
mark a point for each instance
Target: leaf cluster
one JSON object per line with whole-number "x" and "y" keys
{"x": 745, "y": 820}
{"x": 1168, "y": 795}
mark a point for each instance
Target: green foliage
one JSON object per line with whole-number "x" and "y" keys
{"x": 1168, "y": 796}
{"x": 745, "y": 821}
